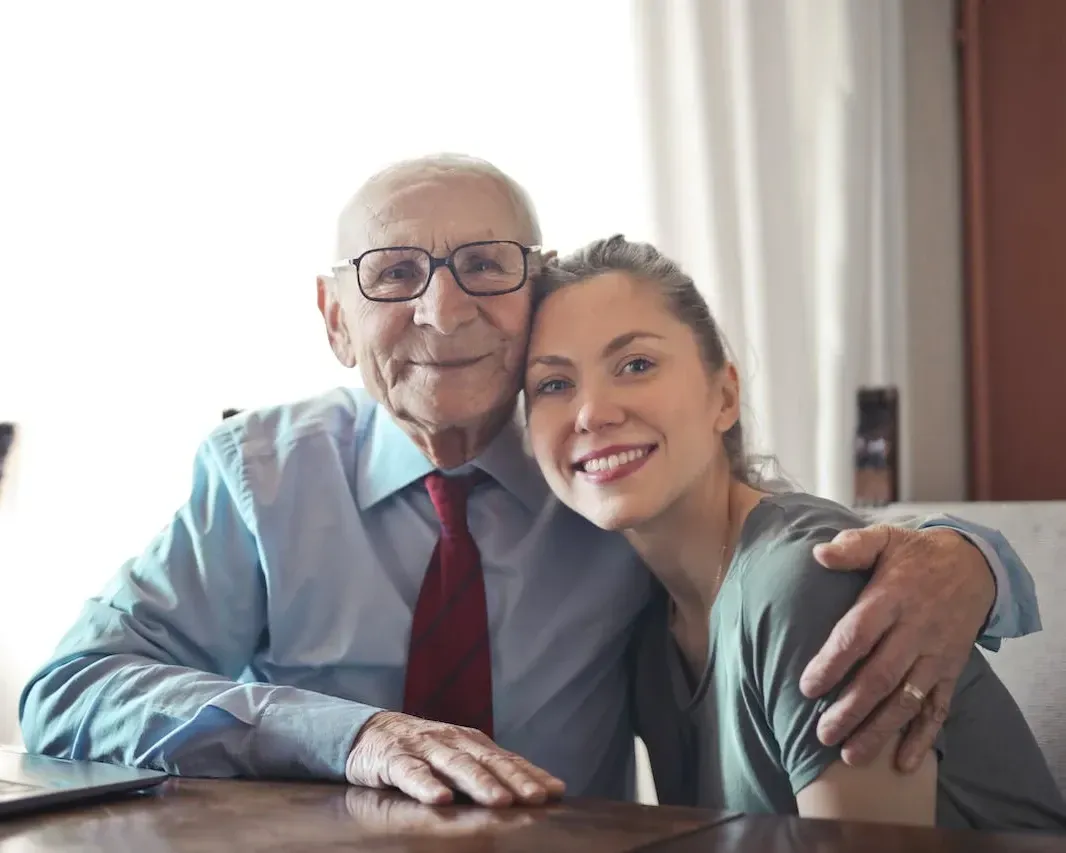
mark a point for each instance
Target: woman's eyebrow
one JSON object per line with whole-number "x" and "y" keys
{"x": 624, "y": 340}
{"x": 616, "y": 344}
{"x": 552, "y": 361}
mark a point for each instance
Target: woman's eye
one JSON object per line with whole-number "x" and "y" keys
{"x": 637, "y": 365}
{"x": 552, "y": 386}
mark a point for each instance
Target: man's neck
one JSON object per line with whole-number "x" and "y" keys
{"x": 454, "y": 445}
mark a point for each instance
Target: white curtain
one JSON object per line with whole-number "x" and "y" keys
{"x": 776, "y": 142}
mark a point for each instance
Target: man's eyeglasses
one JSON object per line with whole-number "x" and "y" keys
{"x": 400, "y": 273}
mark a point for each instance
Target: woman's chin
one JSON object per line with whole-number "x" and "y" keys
{"x": 615, "y": 512}
{"x": 616, "y": 518}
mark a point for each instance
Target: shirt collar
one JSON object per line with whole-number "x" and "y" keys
{"x": 387, "y": 461}
{"x": 508, "y": 462}
{"x": 390, "y": 461}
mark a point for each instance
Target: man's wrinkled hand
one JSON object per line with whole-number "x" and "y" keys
{"x": 915, "y": 623}
{"x": 430, "y": 761}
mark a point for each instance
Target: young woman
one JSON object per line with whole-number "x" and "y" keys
{"x": 634, "y": 418}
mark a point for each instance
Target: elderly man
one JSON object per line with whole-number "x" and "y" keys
{"x": 377, "y": 585}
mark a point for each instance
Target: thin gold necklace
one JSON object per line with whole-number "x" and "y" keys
{"x": 719, "y": 579}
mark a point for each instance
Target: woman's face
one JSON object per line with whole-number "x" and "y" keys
{"x": 624, "y": 416}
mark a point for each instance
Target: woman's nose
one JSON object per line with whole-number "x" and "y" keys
{"x": 597, "y": 412}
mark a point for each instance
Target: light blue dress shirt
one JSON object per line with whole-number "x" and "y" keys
{"x": 269, "y": 620}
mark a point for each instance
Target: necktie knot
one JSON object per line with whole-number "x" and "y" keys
{"x": 449, "y": 497}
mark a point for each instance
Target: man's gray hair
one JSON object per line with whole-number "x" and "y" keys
{"x": 443, "y": 165}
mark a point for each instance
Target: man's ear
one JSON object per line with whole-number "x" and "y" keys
{"x": 340, "y": 339}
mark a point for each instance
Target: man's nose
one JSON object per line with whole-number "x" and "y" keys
{"x": 445, "y": 306}
{"x": 598, "y": 411}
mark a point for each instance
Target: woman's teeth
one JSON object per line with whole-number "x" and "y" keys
{"x": 605, "y": 463}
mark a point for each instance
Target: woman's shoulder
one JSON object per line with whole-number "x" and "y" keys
{"x": 782, "y": 519}
{"x": 775, "y": 562}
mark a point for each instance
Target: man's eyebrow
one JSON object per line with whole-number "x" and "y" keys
{"x": 616, "y": 344}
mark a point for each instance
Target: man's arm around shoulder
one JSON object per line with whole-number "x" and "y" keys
{"x": 1015, "y": 611}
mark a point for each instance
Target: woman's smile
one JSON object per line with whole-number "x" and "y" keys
{"x": 613, "y": 463}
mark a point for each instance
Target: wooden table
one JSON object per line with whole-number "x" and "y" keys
{"x": 208, "y": 816}
{"x": 212, "y": 815}
{"x": 769, "y": 834}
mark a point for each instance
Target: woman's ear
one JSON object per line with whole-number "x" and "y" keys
{"x": 729, "y": 398}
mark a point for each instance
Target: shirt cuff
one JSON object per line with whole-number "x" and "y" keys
{"x": 312, "y": 737}
{"x": 1000, "y": 579}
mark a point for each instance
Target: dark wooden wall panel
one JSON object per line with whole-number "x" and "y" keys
{"x": 1014, "y": 149}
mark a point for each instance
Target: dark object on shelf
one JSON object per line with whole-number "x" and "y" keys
{"x": 877, "y": 448}
{"x": 7, "y": 438}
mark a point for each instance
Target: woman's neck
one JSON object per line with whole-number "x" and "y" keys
{"x": 689, "y": 546}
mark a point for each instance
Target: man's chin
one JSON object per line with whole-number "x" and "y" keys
{"x": 461, "y": 408}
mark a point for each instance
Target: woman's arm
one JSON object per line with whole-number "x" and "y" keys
{"x": 789, "y": 605}
{"x": 877, "y": 792}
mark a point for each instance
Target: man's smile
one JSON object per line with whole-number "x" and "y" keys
{"x": 450, "y": 364}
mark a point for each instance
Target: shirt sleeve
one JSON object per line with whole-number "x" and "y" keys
{"x": 148, "y": 675}
{"x": 1015, "y": 611}
{"x": 790, "y": 604}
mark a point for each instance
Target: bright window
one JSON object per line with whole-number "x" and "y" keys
{"x": 170, "y": 174}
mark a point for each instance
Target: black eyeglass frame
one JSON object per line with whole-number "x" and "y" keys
{"x": 435, "y": 264}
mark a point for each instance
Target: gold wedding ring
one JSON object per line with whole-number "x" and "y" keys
{"x": 913, "y": 692}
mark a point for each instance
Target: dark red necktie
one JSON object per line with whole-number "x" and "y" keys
{"x": 449, "y": 660}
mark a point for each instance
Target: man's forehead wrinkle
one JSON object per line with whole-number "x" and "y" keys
{"x": 383, "y": 211}
{"x": 377, "y": 218}
{"x": 361, "y": 219}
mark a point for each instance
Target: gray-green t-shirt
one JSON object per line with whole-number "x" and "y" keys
{"x": 745, "y": 738}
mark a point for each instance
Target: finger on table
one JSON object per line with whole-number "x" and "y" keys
{"x": 892, "y": 715}
{"x": 525, "y": 786}
{"x": 852, "y": 639}
{"x": 469, "y": 776}
{"x": 415, "y": 778}
{"x": 874, "y": 681}
{"x": 545, "y": 785}
{"x": 553, "y": 784}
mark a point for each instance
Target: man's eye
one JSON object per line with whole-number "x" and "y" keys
{"x": 397, "y": 273}
{"x": 475, "y": 265}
